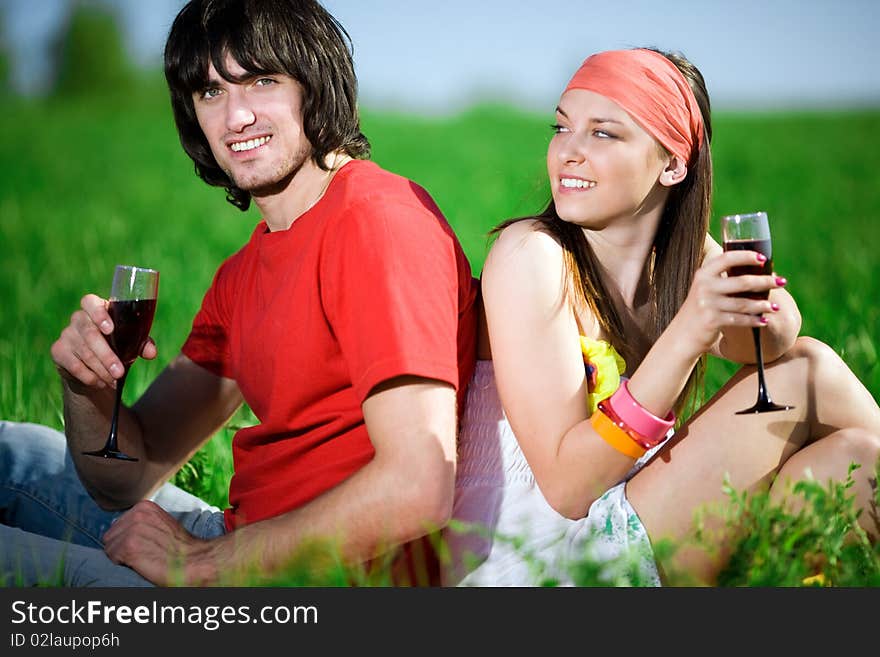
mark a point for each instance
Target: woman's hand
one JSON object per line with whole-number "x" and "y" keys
{"x": 713, "y": 303}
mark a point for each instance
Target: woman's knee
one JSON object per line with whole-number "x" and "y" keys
{"x": 834, "y": 454}
{"x": 813, "y": 350}
{"x": 824, "y": 368}
{"x": 862, "y": 446}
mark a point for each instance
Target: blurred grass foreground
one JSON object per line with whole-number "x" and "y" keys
{"x": 94, "y": 176}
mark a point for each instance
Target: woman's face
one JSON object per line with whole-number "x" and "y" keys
{"x": 602, "y": 164}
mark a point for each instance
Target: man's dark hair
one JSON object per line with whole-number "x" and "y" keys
{"x": 298, "y": 38}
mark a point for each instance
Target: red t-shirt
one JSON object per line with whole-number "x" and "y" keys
{"x": 369, "y": 284}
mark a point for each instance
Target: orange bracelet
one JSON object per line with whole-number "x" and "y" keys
{"x": 615, "y": 436}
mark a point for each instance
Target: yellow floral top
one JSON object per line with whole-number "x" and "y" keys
{"x": 604, "y": 367}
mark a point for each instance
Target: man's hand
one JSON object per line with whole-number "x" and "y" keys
{"x": 147, "y": 539}
{"x": 82, "y": 354}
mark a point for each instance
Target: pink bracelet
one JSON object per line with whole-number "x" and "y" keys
{"x": 638, "y": 439}
{"x": 637, "y": 417}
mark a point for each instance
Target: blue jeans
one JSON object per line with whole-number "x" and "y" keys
{"x": 51, "y": 529}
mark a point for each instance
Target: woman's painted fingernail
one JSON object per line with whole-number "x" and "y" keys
{"x": 762, "y": 257}
{"x": 763, "y": 319}
{"x": 774, "y": 306}
{"x": 780, "y": 281}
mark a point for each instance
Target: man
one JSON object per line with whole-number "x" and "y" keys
{"x": 346, "y": 323}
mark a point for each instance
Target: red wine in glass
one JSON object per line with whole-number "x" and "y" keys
{"x": 751, "y": 232}
{"x": 763, "y": 247}
{"x": 132, "y": 307}
{"x": 132, "y": 319}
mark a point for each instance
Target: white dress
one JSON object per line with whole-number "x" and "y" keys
{"x": 504, "y": 533}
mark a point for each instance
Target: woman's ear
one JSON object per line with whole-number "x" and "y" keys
{"x": 675, "y": 171}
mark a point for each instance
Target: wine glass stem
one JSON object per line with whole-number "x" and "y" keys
{"x": 111, "y": 441}
{"x": 762, "y": 388}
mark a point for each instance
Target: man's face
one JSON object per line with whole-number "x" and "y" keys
{"x": 254, "y": 128}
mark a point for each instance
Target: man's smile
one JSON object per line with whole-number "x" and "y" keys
{"x": 250, "y": 144}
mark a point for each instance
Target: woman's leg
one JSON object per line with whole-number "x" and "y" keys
{"x": 687, "y": 474}
{"x": 829, "y": 459}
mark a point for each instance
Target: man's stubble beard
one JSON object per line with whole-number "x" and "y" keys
{"x": 267, "y": 185}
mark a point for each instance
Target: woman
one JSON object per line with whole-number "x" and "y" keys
{"x": 620, "y": 272}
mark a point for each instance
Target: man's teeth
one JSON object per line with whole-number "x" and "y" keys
{"x": 577, "y": 183}
{"x": 250, "y": 144}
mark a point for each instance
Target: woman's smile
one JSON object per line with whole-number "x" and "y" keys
{"x": 573, "y": 184}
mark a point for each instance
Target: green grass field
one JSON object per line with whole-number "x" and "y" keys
{"x": 87, "y": 184}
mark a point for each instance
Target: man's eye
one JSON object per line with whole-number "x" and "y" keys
{"x": 263, "y": 82}
{"x": 210, "y": 93}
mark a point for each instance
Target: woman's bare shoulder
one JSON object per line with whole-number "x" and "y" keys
{"x": 524, "y": 282}
{"x": 525, "y": 243}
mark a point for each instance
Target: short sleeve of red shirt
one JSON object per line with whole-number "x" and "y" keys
{"x": 390, "y": 290}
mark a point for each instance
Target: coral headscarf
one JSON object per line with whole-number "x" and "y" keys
{"x": 652, "y": 90}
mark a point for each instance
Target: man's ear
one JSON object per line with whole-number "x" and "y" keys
{"x": 675, "y": 171}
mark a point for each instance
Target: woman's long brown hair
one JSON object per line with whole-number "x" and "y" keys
{"x": 676, "y": 256}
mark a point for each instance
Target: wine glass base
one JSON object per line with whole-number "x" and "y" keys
{"x": 111, "y": 454}
{"x": 764, "y": 407}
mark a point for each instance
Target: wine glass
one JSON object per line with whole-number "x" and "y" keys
{"x": 132, "y": 306}
{"x": 751, "y": 232}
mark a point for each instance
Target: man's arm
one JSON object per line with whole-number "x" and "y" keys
{"x": 403, "y": 493}
{"x": 178, "y": 412}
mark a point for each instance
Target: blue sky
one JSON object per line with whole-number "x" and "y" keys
{"x": 439, "y": 56}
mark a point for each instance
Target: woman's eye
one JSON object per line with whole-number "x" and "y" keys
{"x": 602, "y": 134}
{"x": 558, "y": 128}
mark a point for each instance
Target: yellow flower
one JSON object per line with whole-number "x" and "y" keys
{"x": 604, "y": 367}
{"x": 817, "y": 580}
